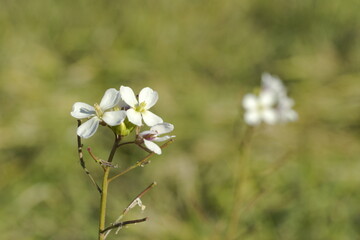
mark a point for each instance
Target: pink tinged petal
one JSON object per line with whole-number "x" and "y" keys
{"x": 134, "y": 117}
{"x": 164, "y": 138}
{"x": 127, "y": 94}
{"x": 267, "y": 98}
{"x": 151, "y": 119}
{"x": 250, "y": 101}
{"x": 162, "y": 128}
{"x": 110, "y": 99}
{"x": 148, "y": 96}
{"x": 82, "y": 110}
{"x": 269, "y": 116}
{"x": 88, "y": 128}
{"x": 152, "y": 146}
{"x": 252, "y": 118}
{"x": 114, "y": 118}
{"x": 149, "y": 132}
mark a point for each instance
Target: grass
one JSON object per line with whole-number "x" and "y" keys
{"x": 201, "y": 57}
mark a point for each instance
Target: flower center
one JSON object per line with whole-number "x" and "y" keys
{"x": 98, "y": 110}
{"x": 150, "y": 136}
{"x": 260, "y": 108}
{"x": 140, "y": 107}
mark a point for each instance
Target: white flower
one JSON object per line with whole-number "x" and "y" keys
{"x": 98, "y": 113}
{"x": 140, "y": 109}
{"x": 260, "y": 108}
{"x": 284, "y": 104}
{"x": 271, "y": 106}
{"x": 152, "y": 135}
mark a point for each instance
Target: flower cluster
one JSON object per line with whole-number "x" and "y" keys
{"x": 116, "y": 107}
{"x": 271, "y": 105}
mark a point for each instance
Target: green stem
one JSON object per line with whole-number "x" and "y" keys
{"x": 103, "y": 200}
{"x": 240, "y": 171}
{"x": 105, "y": 185}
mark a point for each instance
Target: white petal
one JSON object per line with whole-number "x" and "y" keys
{"x": 272, "y": 83}
{"x": 269, "y": 116}
{"x": 88, "y": 128}
{"x": 252, "y": 117}
{"x": 122, "y": 104}
{"x": 82, "y": 110}
{"x": 164, "y": 138}
{"x": 110, "y": 99}
{"x": 127, "y": 94}
{"x": 286, "y": 102}
{"x": 162, "y": 128}
{"x": 151, "y": 119}
{"x": 250, "y": 101}
{"x": 152, "y": 146}
{"x": 134, "y": 117}
{"x": 267, "y": 80}
{"x": 288, "y": 116}
{"x": 267, "y": 98}
{"x": 114, "y": 118}
{"x": 148, "y": 96}
{"x": 292, "y": 116}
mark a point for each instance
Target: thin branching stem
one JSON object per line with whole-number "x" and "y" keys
{"x": 125, "y": 143}
{"x": 140, "y": 163}
{"x": 239, "y": 181}
{"x": 96, "y": 159}
{"x": 144, "y": 148}
{"x": 82, "y": 161}
{"x": 114, "y": 148}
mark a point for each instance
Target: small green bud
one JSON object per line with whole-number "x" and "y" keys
{"x": 124, "y": 129}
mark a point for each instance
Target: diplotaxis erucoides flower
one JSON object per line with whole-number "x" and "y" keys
{"x": 139, "y": 109}
{"x": 98, "y": 113}
{"x": 271, "y": 106}
{"x": 153, "y": 135}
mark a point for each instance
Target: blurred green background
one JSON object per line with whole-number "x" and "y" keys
{"x": 299, "y": 181}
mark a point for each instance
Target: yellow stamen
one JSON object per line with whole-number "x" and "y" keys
{"x": 141, "y": 107}
{"x": 98, "y": 110}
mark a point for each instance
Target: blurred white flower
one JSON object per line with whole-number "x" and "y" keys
{"x": 260, "y": 108}
{"x": 152, "y": 135}
{"x": 140, "y": 109}
{"x": 98, "y": 113}
{"x": 271, "y": 106}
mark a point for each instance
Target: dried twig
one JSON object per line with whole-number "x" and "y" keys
{"x": 122, "y": 224}
{"x": 133, "y": 203}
